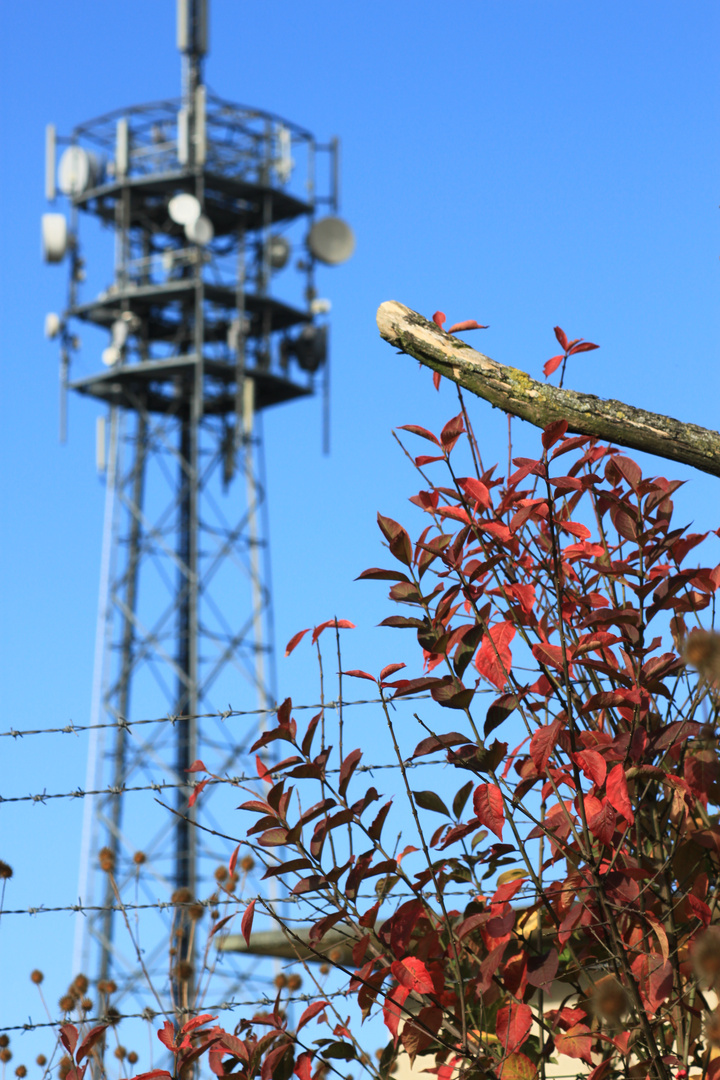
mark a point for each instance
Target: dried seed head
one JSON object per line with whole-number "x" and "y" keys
{"x": 106, "y": 858}
{"x": 87, "y": 1004}
{"x": 120, "y": 1052}
{"x": 325, "y": 970}
{"x": 335, "y": 955}
{"x": 139, "y": 858}
{"x": 184, "y": 970}
{"x": 5, "y": 1055}
{"x": 702, "y": 651}
{"x": 214, "y": 914}
{"x": 112, "y": 1016}
{"x": 182, "y": 896}
{"x": 221, "y": 873}
{"x": 64, "y": 1067}
{"x": 610, "y": 999}
{"x": 280, "y": 981}
{"x": 379, "y": 1053}
{"x": 66, "y": 1003}
{"x": 81, "y": 983}
{"x": 294, "y": 982}
{"x": 4, "y": 1041}
{"x": 132, "y": 1057}
{"x": 196, "y": 912}
{"x": 106, "y": 986}
{"x": 41, "y": 1060}
{"x": 21, "y": 1071}
{"x": 247, "y": 863}
{"x": 6, "y": 871}
{"x": 36, "y": 976}
{"x": 706, "y": 956}
{"x": 712, "y": 1027}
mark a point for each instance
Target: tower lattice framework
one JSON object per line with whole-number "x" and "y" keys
{"x": 206, "y": 201}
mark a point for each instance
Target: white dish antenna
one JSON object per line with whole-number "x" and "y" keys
{"x": 331, "y": 240}
{"x": 278, "y": 251}
{"x": 54, "y": 237}
{"x": 200, "y": 230}
{"x": 53, "y": 325}
{"x": 77, "y": 171}
{"x": 184, "y": 209}
{"x": 110, "y": 356}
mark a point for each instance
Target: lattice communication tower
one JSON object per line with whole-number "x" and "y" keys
{"x": 206, "y": 201}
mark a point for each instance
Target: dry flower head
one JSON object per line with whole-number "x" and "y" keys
{"x": 36, "y": 976}
{"x": 610, "y": 999}
{"x": 6, "y": 870}
{"x": 702, "y": 651}
{"x": 106, "y": 858}
{"x": 706, "y": 956}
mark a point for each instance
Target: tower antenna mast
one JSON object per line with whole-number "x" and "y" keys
{"x": 207, "y": 200}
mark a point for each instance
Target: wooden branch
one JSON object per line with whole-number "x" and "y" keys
{"x": 514, "y": 392}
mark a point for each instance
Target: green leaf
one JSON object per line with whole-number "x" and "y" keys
{"x": 461, "y": 797}
{"x": 430, "y": 800}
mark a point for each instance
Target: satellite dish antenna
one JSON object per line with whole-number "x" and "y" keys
{"x": 77, "y": 171}
{"x": 54, "y": 237}
{"x": 184, "y": 209}
{"x": 200, "y": 230}
{"x": 331, "y": 240}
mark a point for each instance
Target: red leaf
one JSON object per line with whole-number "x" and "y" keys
{"x": 550, "y": 365}
{"x": 593, "y": 765}
{"x": 196, "y": 790}
{"x": 512, "y": 1025}
{"x": 421, "y": 431}
{"x": 584, "y": 346}
{"x": 234, "y": 859}
{"x": 219, "y": 925}
{"x": 69, "y": 1037}
{"x": 392, "y": 1009}
{"x": 303, "y": 1066}
{"x": 543, "y": 743}
{"x": 551, "y": 656}
{"x": 198, "y": 766}
{"x": 390, "y": 670}
{"x": 357, "y": 674}
{"x": 452, "y": 432}
{"x": 412, "y": 974}
{"x": 436, "y": 379}
{"x": 342, "y": 624}
{"x": 295, "y": 640}
{"x": 166, "y": 1035}
{"x": 197, "y": 1021}
{"x": 439, "y": 318}
{"x": 154, "y": 1074}
{"x": 247, "y": 921}
{"x": 262, "y": 769}
{"x": 602, "y": 823}
{"x": 488, "y": 806}
{"x": 475, "y": 489}
{"x": 468, "y": 324}
{"x": 310, "y": 1012}
{"x": 92, "y": 1037}
{"x": 553, "y": 432}
{"x": 576, "y": 1043}
{"x": 575, "y": 529}
{"x": 494, "y": 659}
{"x": 562, "y": 337}
{"x": 518, "y": 1067}
{"x": 617, "y": 793}
{"x": 397, "y": 538}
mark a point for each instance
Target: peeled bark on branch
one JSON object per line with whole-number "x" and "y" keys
{"x": 515, "y": 392}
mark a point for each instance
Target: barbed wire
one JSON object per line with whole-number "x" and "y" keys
{"x": 74, "y": 729}
{"x": 150, "y": 1014}
{"x": 165, "y": 785}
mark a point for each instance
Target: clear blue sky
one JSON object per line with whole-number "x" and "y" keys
{"x": 517, "y": 162}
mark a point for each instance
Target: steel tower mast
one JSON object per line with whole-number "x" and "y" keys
{"x": 206, "y": 200}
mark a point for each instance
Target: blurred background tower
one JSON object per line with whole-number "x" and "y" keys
{"x": 208, "y": 203}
